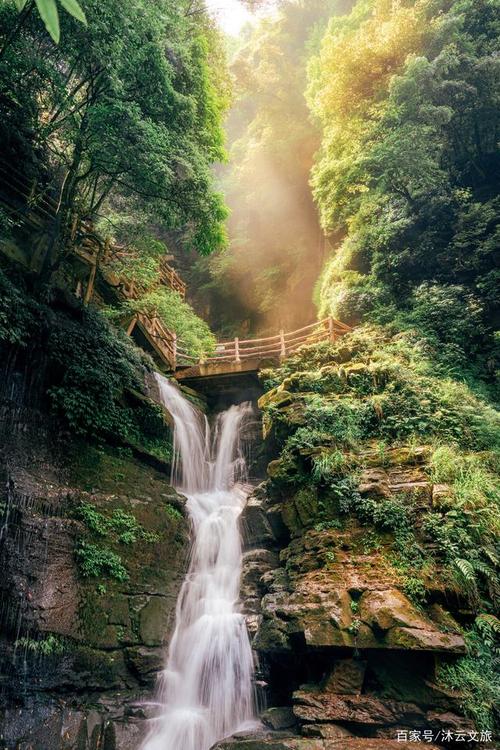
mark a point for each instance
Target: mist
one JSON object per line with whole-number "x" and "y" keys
{"x": 265, "y": 279}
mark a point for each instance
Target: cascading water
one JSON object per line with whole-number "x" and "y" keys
{"x": 207, "y": 691}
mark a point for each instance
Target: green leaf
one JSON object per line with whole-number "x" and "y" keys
{"x": 74, "y": 10}
{"x": 50, "y": 17}
{"x": 20, "y": 4}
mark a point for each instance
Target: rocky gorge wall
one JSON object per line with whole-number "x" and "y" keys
{"x": 93, "y": 551}
{"x": 350, "y": 585}
{"x": 352, "y": 593}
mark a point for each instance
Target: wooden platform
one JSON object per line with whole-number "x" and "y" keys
{"x": 217, "y": 369}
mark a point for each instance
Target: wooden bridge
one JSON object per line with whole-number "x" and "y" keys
{"x": 33, "y": 210}
{"x": 245, "y": 355}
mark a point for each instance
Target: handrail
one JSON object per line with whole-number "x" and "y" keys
{"x": 278, "y": 346}
{"x": 161, "y": 338}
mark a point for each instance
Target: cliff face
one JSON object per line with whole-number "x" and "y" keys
{"x": 368, "y": 580}
{"x": 93, "y": 552}
{"x": 357, "y": 543}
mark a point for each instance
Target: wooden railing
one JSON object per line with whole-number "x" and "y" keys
{"x": 270, "y": 347}
{"x": 34, "y": 210}
{"x": 32, "y": 207}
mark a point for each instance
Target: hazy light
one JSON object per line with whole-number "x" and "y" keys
{"x": 231, "y": 15}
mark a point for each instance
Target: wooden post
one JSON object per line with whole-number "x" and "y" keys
{"x": 282, "y": 344}
{"x": 174, "y": 351}
{"x": 90, "y": 286}
{"x": 237, "y": 350}
{"x": 131, "y": 325}
{"x": 74, "y": 227}
{"x": 331, "y": 330}
{"x": 107, "y": 248}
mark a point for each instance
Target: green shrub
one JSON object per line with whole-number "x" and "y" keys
{"x": 18, "y": 320}
{"x": 475, "y": 675}
{"x": 452, "y": 317}
{"x": 466, "y": 526}
{"x": 50, "y": 645}
{"x": 329, "y": 464}
{"x": 91, "y": 365}
{"x": 89, "y": 368}
{"x": 121, "y": 526}
{"x": 97, "y": 562}
{"x": 172, "y": 512}
{"x": 393, "y": 514}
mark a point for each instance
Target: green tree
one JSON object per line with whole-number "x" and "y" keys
{"x": 125, "y": 106}
{"x": 405, "y": 179}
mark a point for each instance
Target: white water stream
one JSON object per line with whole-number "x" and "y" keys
{"x": 207, "y": 691}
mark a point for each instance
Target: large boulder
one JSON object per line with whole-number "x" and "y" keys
{"x": 315, "y": 706}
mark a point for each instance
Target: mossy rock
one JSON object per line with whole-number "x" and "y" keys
{"x": 300, "y": 511}
{"x": 94, "y": 668}
{"x": 275, "y": 398}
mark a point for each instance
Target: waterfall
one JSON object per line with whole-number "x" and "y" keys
{"x": 207, "y": 691}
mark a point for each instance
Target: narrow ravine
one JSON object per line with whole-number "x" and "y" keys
{"x": 206, "y": 690}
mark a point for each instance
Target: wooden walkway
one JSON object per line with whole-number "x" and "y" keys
{"x": 250, "y": 355}
{"x": 34, "y": 210}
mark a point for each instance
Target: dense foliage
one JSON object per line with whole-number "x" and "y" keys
{"x": 407, "y": 97}
{"x": 127, "y": 106}
{"x": 89, "y": 374}
{"x": 333, "y": 412}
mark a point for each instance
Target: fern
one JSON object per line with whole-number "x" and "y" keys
{"x": 467, "y": 577}
{"x": 490, "y": 621}
{"x": 489, "y": 627}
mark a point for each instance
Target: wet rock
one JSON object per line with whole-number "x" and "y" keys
{"x": 276, "y": 397}
{"x": 271, "y": 636}
{"x": 347, "y": 677}
{"x": 374, "y": 482}
{"x": 275, "y": 580}
{"x": 325, "y": 731}
{"x": 274, "y": 742}
{"x": 256, "y": 528}
{"x": 310, "y": 706}
{"x": 253, "y": 621}
{"x": 145, "y": 661}
{"x": 279, "y": 717}
{"x": 275, "y": 519}
{"x": 448, "y": 720}
{"x": 390, "y": 607}
{"x": 123, "y": 736}
{"x": 268, "y": 741}
{"x": 425, "y": 640}
{"x": 442, "y": 618}
{"x": 118, "y": 611}
{"x": 153, "y": 620}
{"x": 256, "y": 563}
{"x": 299, "y": 511}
